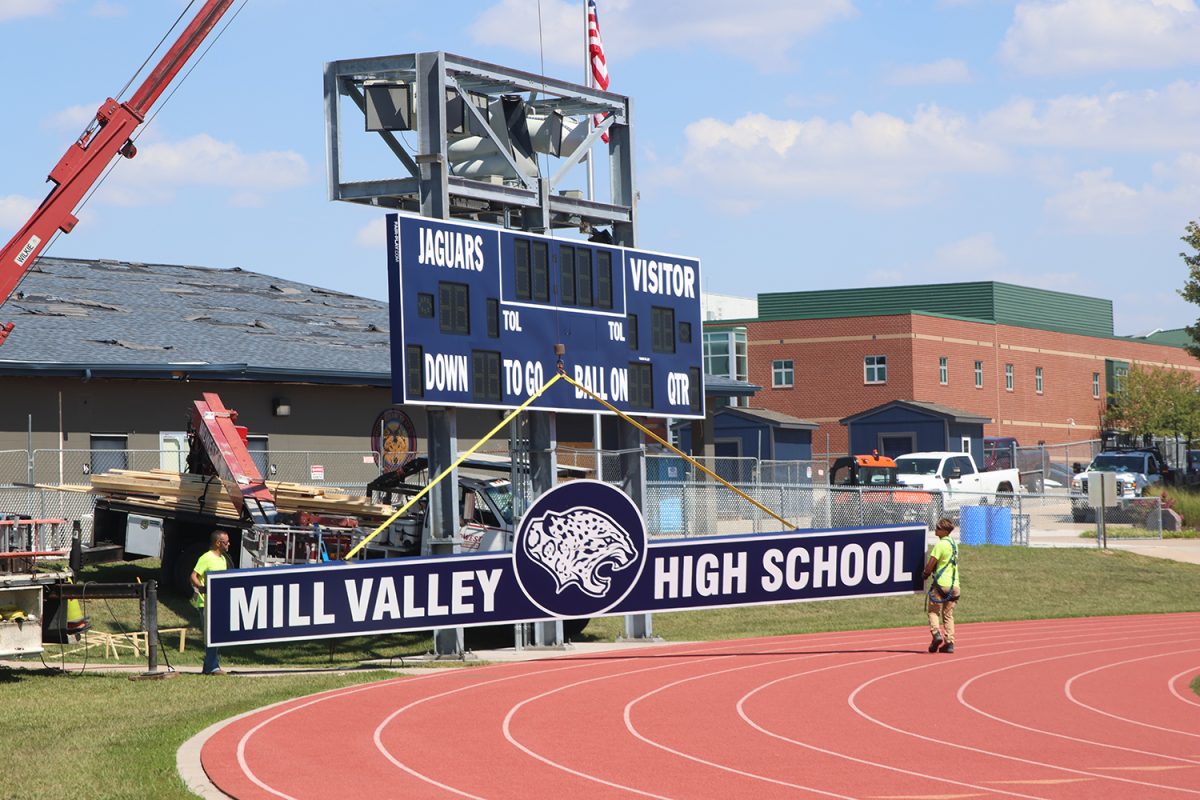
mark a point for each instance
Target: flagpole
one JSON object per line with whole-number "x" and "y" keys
{"x": 587, "y": 77}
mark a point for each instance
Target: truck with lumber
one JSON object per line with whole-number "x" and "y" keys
{"x": 170, "y": 515}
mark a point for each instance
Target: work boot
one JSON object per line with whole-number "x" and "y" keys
{"x": 948, "y": 647}
{"x": 936, "y": 643}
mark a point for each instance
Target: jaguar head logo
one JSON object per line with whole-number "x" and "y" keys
{"x": 580, "y": 547}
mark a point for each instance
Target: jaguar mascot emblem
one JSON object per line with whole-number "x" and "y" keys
{"x": 581, "y": 547}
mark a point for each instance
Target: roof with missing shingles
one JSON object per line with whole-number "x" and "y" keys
{"x": 114, "y": 313}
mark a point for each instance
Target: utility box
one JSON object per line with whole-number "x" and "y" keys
{"x": 21, "y": 613}
{"x": 143, "y": 536}
{"x": 1102, "y": 489}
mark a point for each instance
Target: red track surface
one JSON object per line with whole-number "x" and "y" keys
{"x": 1077, "y": 708}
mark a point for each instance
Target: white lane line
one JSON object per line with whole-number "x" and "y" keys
{"x": 1071, "y": 695}
{"x": 962, "y": 690}
{"x": 1189, "y": 698}
{"x": 918, "y": 735}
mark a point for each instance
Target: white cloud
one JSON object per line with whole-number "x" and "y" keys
{"x": 946, "y": 70}
{"x": 975, "y": 254}
{"x": 160, "y": 167}
{"x": 373, "y": 235}
{"x": 15, "y": 210}
{"x": 1076, "y": 36}
{"x": 103, "y": 8}
{"x": 1096, "y": 202}
{"x": 16, "y": 9}
{"x": 871, "y": 159}
{"x": 1153, "y": 119}
{"x": 72, "y": 118}
{"x": 760, "y": 31}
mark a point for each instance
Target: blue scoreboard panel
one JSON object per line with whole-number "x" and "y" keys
{"x": 476, "y": 312}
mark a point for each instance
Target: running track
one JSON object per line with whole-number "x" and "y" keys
{"x": 1077, "y": 708}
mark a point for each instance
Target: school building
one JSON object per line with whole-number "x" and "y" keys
{"x": 1039, "y": 364}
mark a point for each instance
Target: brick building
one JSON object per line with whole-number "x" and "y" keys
{"x": 1040, "y": 364}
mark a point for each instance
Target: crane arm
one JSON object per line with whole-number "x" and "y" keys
{"x": 84, "y": 162}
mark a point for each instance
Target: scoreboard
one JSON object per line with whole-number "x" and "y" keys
{"x": 476, "y": 312}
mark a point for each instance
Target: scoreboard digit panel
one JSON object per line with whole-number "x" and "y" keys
{"x": 476, "y": 312}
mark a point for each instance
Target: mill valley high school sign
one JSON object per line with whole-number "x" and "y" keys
{"x": 581, "y": 551}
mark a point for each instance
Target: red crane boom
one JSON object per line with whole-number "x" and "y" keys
{"x": 85, "y": 160}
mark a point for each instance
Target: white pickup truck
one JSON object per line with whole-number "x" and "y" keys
{"x": 955, "y": 479}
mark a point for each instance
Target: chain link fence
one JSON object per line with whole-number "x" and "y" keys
{"x": 1054, "y": 464}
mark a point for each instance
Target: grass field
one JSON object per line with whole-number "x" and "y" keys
{"x": 104, "y": 736}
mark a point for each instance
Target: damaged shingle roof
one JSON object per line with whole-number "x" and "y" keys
{"x": 106, "y": 314}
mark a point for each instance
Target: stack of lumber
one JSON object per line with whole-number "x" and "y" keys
{"x": 163, "y": 492}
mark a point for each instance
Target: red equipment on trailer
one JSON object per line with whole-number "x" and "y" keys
{"x": 219, "y": 447}
{"x": 84, "y": 162}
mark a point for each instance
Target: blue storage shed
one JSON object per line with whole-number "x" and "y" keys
{"x": 912, "y": 426}
{"x": 755, "y": 433}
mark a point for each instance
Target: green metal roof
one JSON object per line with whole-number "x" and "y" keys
{"x": 989, "y": 301}
{"x": 1175, "y": 337}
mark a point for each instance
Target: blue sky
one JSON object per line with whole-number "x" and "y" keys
{"x": 789, "y": 145}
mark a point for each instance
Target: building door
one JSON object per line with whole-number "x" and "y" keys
{"x": 109, "y": 452}
{"x": 965, "y": 446}
{"x": 172, "y": 451}
{"x": 894, "y": 445}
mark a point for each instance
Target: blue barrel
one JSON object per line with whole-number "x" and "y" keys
{"x": 670, "y": 515}
{"x": 999, "y": 525}
{"x": 972, "y": 524}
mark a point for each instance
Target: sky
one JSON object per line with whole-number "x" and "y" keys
{"x": 789, "y": 146}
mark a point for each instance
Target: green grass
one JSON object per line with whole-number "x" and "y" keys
{"x": 99, "y": 736}
{"x": 104, "y": 736}
{"x": 1185, "y": 502}
{"x": 1126, "y": 532}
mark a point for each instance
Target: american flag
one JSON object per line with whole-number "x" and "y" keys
{"x": 596, "y": 56}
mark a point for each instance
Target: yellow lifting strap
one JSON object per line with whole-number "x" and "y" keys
{"x": 672, "y": 447}
{"x": 412, "y": 500}
{"x": 562, "y": 376}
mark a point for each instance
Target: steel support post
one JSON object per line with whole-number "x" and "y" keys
{"x": 633, "y": 482}
{"x": 543, "y": 470}
{"x": 443, "y": 511}
{"x": 431, "y": 135}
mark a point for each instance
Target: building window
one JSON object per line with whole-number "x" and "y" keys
{"x": 1037, "y": 379}
{"x": 259, "y": 448}
{"x": 943, "y": 370}
{"x": 1095, "y": 385}
{"x": 875, "y": 369}
{"x": 485, "y": 376}
{"x": 978, "y": 374}
{"x": 783, "y": 374}
{"x": 725, "y": 356}
{"x": 1008, "y": 377}
{"x": 109, "y": 452}
{"x": 662, "y": 330}
{"x": 641, "y": 385}
{"x": 453, "y": 308}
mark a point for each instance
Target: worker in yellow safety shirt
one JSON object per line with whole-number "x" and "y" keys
{"x": 944, "y": 590}
{"x": 214, "y": 559}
